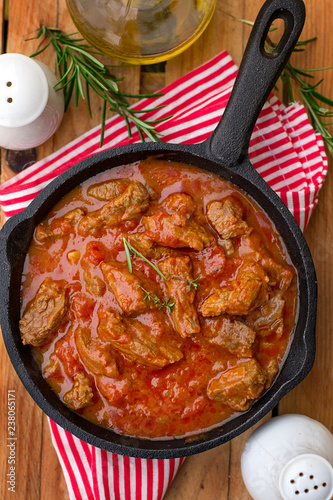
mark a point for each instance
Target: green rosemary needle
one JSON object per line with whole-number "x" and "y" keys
{"x": 80, "y": 71}
{"x": 131, "y": 250}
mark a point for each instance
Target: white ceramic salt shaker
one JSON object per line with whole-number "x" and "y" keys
{"x": 30, "y": 108}
{"x": 289, "y": 458}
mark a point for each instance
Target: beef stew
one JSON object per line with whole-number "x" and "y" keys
{"x": 162, "y": 298}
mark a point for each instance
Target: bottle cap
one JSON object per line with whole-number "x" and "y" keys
{"x": 24, "y": 90}
{"x": 307, "y": 477}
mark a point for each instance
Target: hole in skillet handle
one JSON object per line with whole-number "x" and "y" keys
{"x": 275, "y": 34}
{"x": 257, "y": 75}
{"x": 287, "y": 18}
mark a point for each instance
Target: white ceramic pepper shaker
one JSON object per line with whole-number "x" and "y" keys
{"x": 30, "y": 108}
{"x": 289, "y": 458}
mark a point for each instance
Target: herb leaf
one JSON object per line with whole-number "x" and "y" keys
{"x": 76, "y": 64}
{"x": 129, "y": 249}
{"x": 162, "y": 303}
{"x": 128, "y": 256}
{"x": 167, "y": 304}
{"x": 149, "y": 295}
{"x": 193, "y": 283}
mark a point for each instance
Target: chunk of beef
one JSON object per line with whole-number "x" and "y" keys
{"x": 249, "y": 290}
{"x": 233, "y": 335}
{"x": 142, "y": 244}
{"x": 268, "y": 318}
{"x": 173, "y": 226}
{"x": 181, "y": 203}
{"x": 278, "y": 275}
{"x": 44, "y": 314}
{"x": 95, "y": 355}
{"x": 210, "y": 262}
{"x": 127, "y": 206}
{"x": 178, "y": 271}
{"x": 60, "y": 226}
{"x": 105, "y": 191}
{"x": 111, "y": 327}
{"x": 81, "y": 394}
{"x": 148, "y": 248}
{"x": 136, "y": 340}
{"x": 127, "y": 288}
{"x": 226, "y": 218}
{"x": 227, "y": 246}
{"x": 176, "y": 231}
{"x": 239, "y": 386}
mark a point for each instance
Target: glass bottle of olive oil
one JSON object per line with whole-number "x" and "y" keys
{"x": 141, "y": 31}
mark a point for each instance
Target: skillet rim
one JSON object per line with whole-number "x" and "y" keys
{"x": 179, "y": 447}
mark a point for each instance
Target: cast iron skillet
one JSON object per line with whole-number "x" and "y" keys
{"x": 225, "y": 154}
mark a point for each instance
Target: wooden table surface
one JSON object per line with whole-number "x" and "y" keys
{"x": 213, "y": 475}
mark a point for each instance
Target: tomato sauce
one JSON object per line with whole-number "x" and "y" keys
{"x": 142, "y": 400}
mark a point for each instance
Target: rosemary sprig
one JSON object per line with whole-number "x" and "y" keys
{"x": 129, "y": 250}
{"x": 80, "y": 72}
{"x": 309, "y": 92}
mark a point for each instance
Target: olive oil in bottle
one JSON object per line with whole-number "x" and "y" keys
{"x": 141, "y": 31}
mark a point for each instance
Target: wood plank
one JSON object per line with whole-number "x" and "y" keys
{"x": 314, "y": 396}
{"x": 214, "y": 474}
{"x": 30, "y": 443}
{"x": 29, "y": 418}
{"x": 200, "y": 476}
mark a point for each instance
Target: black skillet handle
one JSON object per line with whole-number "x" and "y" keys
{"x": 257, "y": 75}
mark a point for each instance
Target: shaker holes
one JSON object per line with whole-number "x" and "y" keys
{"x": 9, "y": 84}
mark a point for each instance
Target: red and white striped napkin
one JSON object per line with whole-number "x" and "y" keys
{"x": 94, "y": 474}
{"x": 284, "y": 149}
